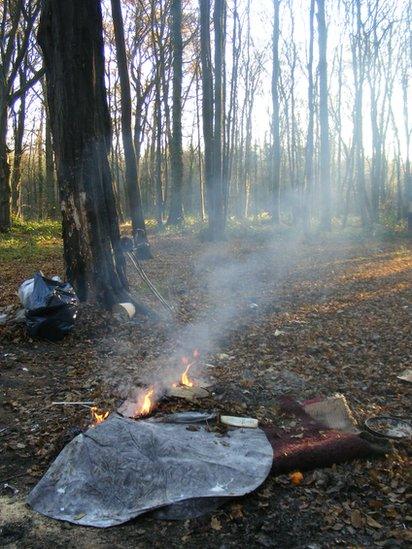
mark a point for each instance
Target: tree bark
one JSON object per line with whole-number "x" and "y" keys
{"x": 70, "y": 36}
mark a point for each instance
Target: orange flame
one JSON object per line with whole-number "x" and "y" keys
{"x": 184, "y": 379}
{"x": 97, "y": 415}
{"x": 145, "y": 403}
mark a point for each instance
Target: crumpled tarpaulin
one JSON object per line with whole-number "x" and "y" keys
{"x": 122, "y": 468}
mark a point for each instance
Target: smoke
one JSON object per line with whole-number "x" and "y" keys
{"x": 235, "y": 282}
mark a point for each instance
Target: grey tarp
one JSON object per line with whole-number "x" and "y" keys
{"x": 123, "y": 468}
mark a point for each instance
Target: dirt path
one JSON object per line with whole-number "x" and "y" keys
{"x": 282, "y": 315}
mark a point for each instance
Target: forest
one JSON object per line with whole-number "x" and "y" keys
{"x": 205, "y": 229}
{"x": 297, "y": 125}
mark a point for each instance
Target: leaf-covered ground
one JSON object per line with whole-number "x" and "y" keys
{"x": 284, "y": 314}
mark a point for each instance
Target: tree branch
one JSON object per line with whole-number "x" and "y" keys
{"x": 29, "y": 84}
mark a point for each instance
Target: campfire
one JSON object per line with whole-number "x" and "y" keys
{"x": 186, "y": 387}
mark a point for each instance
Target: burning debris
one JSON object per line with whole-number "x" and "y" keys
{"x": 187, "y": 387}
{"x": 145, "y": 403}
{"x": 141, "y": 405}
{"x": 184, "y": 380}
{"x": 122, "y": 467}
{"x": 98, "y": 416}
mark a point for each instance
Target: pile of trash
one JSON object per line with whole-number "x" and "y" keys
{"x": 187, "y": 464}
{"x": 50, "y": 306}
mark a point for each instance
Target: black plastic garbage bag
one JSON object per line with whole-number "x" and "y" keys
{"x": 51, "y": 308}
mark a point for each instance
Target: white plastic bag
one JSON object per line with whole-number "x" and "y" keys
{"x": 25, "y": 291}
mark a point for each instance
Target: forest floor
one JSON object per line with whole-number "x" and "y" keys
{"x": 312, "y": 316}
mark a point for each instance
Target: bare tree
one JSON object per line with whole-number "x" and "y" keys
{"x": 132, "y": 184}
{"x": 70, "y": 35}
{"x": 324, "y": 118}
{"x": 17, "y": 19}
{"x": 218, "y": 212}
{"x": 213, "y": 112}
{"x": 309, "y": 150}
{"x": 276, "y": 115}
{"x": 176, "y": 152}
{"x": 359, "y": 73}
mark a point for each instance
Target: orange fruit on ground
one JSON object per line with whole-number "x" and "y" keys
{"x": 296, "y": 478}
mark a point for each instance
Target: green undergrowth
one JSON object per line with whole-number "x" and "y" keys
{"x": 27, "y": 240}
{"x": 41, "y": 240}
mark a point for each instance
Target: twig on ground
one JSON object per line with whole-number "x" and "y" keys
{"x": 86, "y": 403}
{"x": 13, "y": 476}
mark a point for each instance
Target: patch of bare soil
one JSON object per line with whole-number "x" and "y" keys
{"x": 304, "y": 317}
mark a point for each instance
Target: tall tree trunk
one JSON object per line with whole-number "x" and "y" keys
{"x": 339, "y": 124}
{"x": 17, "y": 156}
{"x": 51, "y": 181}
{"x": 275, "y": 115}
{"x": 5, "y": 189}
{"x": 207, "y": 104}
{"x": 40, "y": 171}
{"x": 358, "y": 65}
{"x": 132, "y": 186}
{"x": 158, "y": 157}
{"x": 176, "y": 153}
{"x": 324, "y": 118}
{"x": 218, "y": 224}
{"x": 408, "y": 173}
{"x": 233, "y": 102}
{"x": 199, "y": 152}
{"x": 71, "y": 37}
{"x": 311, "y": 113}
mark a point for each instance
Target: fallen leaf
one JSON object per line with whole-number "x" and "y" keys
{"x": 356, "y": 519}
{"x": 236, "y": 511}
{"x": 370, "y": 521}
{"x": 215, "y": 524}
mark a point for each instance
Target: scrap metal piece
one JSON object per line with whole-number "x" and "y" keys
{"x": 188, "y": 417}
